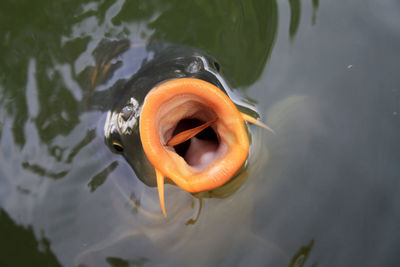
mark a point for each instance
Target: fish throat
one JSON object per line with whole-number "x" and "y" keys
{"x": 200, "y": 150}
{"x": 188, "y": 127}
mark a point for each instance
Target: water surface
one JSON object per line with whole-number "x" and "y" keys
{"x": 323, "y": 190}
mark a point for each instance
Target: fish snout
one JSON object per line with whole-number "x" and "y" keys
{"x": 193, "y": 134}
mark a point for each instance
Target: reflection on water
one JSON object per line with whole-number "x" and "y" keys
{"x": 117, "y": 262}
{"x": 329, "y": 174}
{"x": 36, "y": 251}
{"x": 295, "y": 7}
{"x": 300, "y": 258}
{"x": 240, "y": 35}
{"x": 315, "y": 4}
{"x": 101, "y": 177}
{"x": 60, "y": 70}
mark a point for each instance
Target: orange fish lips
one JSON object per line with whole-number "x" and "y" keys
{"x": 193, "y": 134}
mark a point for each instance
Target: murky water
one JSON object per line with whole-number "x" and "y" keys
{"x": 322, "y": 191}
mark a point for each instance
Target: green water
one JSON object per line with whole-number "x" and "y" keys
{"x": 323, "y": 191}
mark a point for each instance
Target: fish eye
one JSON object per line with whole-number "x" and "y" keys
{"x": 216, "y": 65}
{"x": 117, "y": 146}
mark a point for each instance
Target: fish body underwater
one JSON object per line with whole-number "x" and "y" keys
{"x": 176, "y": 120}
{"x": 202, "y": 227}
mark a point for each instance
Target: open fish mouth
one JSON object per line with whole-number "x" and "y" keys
{"x": 193, "y": 134}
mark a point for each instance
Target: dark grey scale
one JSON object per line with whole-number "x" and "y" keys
{"x": 195, "y": 66}
{"x": 127, "y": 112}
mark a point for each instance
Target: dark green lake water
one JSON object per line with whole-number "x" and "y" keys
{"x": 323, "y": 191}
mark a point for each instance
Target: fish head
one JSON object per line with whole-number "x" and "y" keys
{"x": 175, "y": 122}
